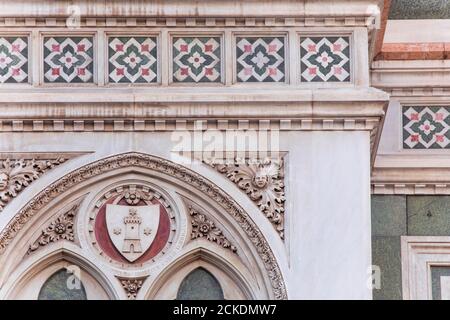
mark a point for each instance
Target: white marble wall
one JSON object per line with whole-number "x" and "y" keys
{"x": 327, "y": 251}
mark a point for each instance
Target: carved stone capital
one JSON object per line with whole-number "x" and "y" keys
{"x": 202, "y": 226}
{"x": 262, "y": 181}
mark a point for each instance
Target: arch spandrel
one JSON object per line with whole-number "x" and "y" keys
{"x": 238, "y": 230}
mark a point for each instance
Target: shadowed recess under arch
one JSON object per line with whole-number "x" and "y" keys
{"x": 200, "y": 285}
{"x": 62, "y": 285}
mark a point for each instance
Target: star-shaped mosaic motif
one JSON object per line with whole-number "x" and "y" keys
{"x": 196, "y": 59}
{"x": 426, "y": 127}
{"x": 132, "y": 60}
{"x": 260, "y": 59}
{"x": 325, "y": 59}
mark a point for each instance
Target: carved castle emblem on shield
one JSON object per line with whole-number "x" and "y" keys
{"x": 132, "y": 229}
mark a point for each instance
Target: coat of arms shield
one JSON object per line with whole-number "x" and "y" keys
{"x": 132, "y": 229}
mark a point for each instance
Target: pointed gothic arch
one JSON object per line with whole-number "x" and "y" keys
{"x": 138, "y": 162}
{"x": 27, "y": 281}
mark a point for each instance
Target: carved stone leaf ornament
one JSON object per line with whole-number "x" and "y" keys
{"x": 262, "y": 181}
{"x": 131, "y": 286}
{"x": 59, "y": 229}
{"x": 16, "y": 175}
{"x": 204, "y": 227}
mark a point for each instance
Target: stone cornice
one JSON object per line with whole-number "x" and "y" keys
{"x": 79, "y": 109}
{"x": 189, "y": 8}
{"x": 397, "y": 76}
{"x": 155, "y": 109}
{"x": 412, "y": 174}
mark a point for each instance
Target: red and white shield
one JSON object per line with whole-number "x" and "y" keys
{"x": 132, "y": 229}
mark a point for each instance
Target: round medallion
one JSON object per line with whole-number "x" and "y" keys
{"x": 133, "y": 225}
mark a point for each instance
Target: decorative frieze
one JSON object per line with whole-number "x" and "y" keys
{"x": 202, "y": 226}
{"x": 260, "y": 59}
{"x": 13, "y": 60}
{"x": 205, "y": 57}
{"x": 16, "y": 175}
{"x": 61, "y": 228}
{"x": 68, "y": 59}
{"x": 262, "y": 181}
{"x": 196, "y": 59}
{"x": 426, "y": 127}
{"x": 325, "y": 59}
{"x": 132, "y": 60}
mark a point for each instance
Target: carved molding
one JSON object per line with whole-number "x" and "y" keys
{"x": 152, "y": 125}
{"x": 132, "y": 286}
{"x": 262, "y": 181}
{"x": 163, "y": 22}
{"x": 60, "y": 228}
{"x": 202, "y": 226}
{"x": 16, "y": 175}
{"x": 174, "y": 171}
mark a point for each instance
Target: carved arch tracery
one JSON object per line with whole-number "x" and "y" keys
{"x": 162, "y": 166}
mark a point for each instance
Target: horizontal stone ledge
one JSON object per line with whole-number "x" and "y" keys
{"x": 208, "y": 95}
{"x": 275, "y": 111}
{"x": 410, "y": 189}
{"x": 417, "y": 175}
{"x": 190, "y": 8}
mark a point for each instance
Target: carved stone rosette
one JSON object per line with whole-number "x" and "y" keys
{"x": 204, "y": 227}
{"x": 59, "y": 229}
{"x": 131, "y": 286}
{"x": 262, "y": 181}
{"x": 16, "y": 175}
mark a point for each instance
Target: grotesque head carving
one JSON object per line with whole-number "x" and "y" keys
{"x": 261, "y": 179}
{"x": 4, "y": 180}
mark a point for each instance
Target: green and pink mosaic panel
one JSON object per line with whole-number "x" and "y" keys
{"x": 325, "y": 59}
{"x": 13, "y": 60}
{"x": 426, "y": 127}
{"x": 132, "y": 60}
{"x": 196, "y": 59}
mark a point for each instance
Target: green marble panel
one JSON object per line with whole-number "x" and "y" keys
{"x": 428, "y": 215}
{"x": 419, "y": 9}
{"x": 388, "y": 215}
{"x": 386, "y": 255}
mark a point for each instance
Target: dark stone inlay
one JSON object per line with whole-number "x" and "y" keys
{"x": 436, "y": 274}
{"x": 419, "y": 9}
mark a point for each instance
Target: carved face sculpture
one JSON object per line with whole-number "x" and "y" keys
{"x": 4, "y": 179}
{"x": 260, "y": 180}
